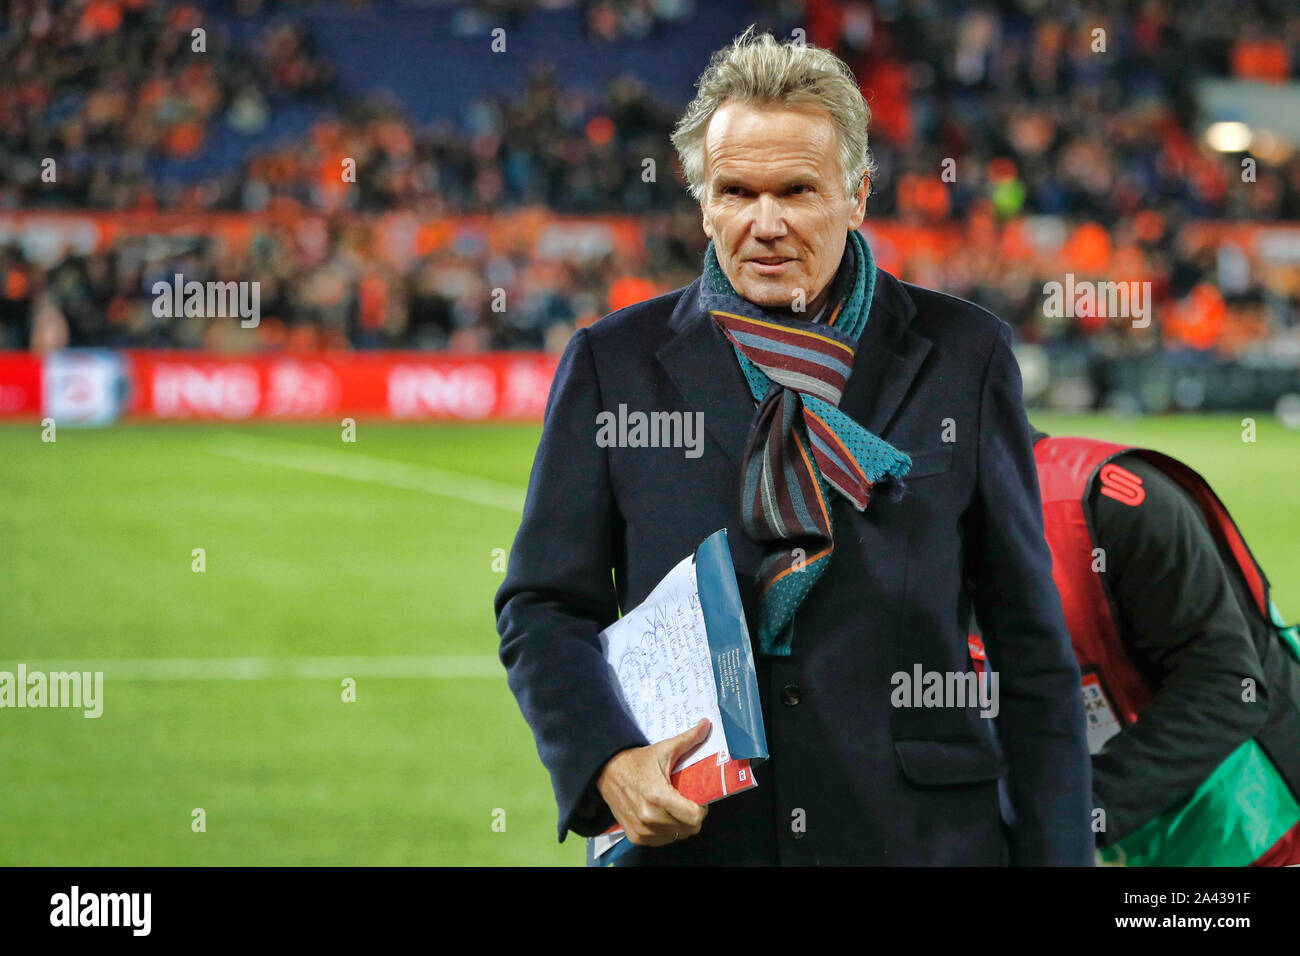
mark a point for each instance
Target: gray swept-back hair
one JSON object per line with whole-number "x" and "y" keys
{"x": 757, "y": 69}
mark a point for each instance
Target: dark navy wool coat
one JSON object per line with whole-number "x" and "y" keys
{"x": 852, "y": 779}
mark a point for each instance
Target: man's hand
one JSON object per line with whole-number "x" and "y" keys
{"x": 635, "y": 785}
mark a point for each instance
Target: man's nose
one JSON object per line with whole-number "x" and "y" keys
{"x": 769, "y": 222}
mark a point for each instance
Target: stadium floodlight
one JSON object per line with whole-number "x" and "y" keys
{"x": 1229, "y": 137}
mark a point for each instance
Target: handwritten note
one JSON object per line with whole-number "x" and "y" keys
{"x": 658, "y": 654}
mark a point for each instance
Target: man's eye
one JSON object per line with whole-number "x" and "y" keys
{"x": 800, "y": 189}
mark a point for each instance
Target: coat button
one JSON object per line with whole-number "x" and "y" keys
{"x": 790, "y": 695}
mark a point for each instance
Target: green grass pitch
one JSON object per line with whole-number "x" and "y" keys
{"x": 319, "y": 554}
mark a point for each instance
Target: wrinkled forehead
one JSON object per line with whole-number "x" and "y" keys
{"x": 770, "y": 141}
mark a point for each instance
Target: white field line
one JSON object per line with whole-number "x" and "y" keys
{"x": 274, "y": 668}
{"x": 376, "y": 471}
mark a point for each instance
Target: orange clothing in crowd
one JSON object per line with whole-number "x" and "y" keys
{"x": 1197, "y": 320}
{"x": 1262, "y": 58}
{"x": 15, "y": 284}
{"x": 100, "y": 18}
{"x": 923, "y": 196}
{"x": 629, "y": 290}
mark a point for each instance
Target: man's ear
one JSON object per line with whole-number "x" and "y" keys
{"x": 704, "y": 216}
{"x": 859, "y": 200}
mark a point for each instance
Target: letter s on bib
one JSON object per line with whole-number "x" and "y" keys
{"x": 1122, "y": 485}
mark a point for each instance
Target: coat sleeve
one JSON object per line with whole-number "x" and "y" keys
{"x": 1041, "y": 719}
{"x": 1181, "y": 618}
{"x": 559, "y": 593}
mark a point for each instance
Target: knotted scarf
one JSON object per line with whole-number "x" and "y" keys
{"x": 800, "y": 445}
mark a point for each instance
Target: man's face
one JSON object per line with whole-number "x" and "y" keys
{"x": 774, "y": 202}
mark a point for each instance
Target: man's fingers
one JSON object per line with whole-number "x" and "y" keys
{"x": 684, "y": 812}
{"x": 666, "y": 817}
{"x": 649, "y": 807}
{"x": 667, "y": 811}
{"x": 674, "y": 748}
{"x": 663, "y": 812}
{"x": 652, "y": 825}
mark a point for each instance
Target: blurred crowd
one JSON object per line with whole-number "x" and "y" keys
{"x": 108, "y": 88}
{"x": 609, "y": 20}
{"x": 1036, "y": 117}
{"x": 335, "y": 287}
{"x": 329, "y": 288}
{"x": 1020, "y": 104}
{"x": 1086, "y": 111}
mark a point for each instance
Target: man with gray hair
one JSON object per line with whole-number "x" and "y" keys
{"x": 867, "y": 445}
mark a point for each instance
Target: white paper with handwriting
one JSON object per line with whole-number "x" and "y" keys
{"x": 658, "y": 654}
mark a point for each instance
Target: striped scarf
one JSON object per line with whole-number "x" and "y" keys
{"x": 800, "y": 445}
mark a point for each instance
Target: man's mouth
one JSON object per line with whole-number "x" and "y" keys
{"x": 770, "y": 265}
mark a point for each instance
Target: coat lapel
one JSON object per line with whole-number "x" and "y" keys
{"x": 703, "y": 366}
{"x": 887, "y": 359}
{"x": 701, "y": 363}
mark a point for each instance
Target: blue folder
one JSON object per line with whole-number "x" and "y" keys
{"x": 733, "y": 664}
